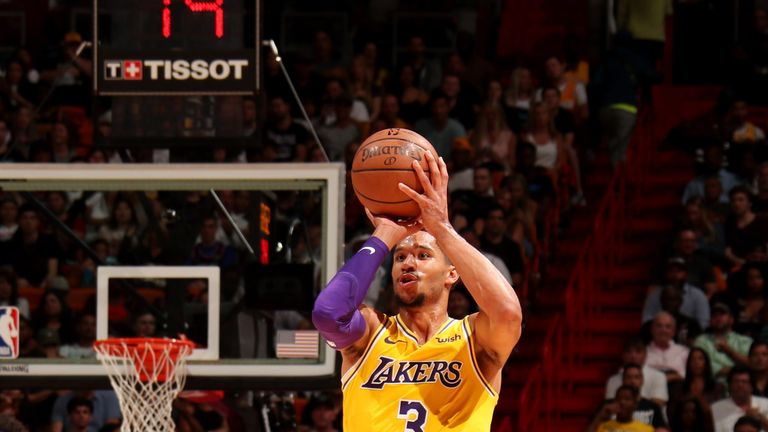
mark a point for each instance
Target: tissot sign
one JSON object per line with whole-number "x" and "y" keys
{"x": 167, "y": 72}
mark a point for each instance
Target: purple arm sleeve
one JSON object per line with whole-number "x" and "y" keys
{"x": 336, "y": 313}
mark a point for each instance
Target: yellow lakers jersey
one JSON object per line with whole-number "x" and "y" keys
{"x": 398, "y": 385}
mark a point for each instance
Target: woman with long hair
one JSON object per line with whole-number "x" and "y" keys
{"x": 519, "y": 97}
{"x": 549, "y": 145}
{"x": 53, "y": 313}
{"x": 699, "y": 381}
{"x": 413, "y": 100}
{"x": 123, "y": 224}
{"x": 690, "y": 415}
{"x": 362, "y": 86}
{"x": 9, "y": 292}
{"x": 492, "y": 139}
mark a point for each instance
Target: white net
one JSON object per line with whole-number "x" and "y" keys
{"x": 147, "y": 375}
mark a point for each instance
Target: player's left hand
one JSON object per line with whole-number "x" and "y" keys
{"x": 434, "y": 201}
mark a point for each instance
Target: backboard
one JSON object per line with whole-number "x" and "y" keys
{"x": 146, "y": 245}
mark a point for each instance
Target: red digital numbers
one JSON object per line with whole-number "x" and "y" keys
{"x": 196, "y": 6}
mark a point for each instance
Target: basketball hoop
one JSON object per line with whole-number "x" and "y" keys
{"x": 147, "y": 375}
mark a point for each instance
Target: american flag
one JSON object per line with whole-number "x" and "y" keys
{"x": 297, "y": 343}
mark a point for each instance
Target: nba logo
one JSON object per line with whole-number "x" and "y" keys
{"x": 9, "y": 332}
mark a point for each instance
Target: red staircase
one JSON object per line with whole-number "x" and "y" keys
{"x": 591, "y": 300}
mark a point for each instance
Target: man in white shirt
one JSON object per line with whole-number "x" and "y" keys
{"x": 654, "y": 382}
{"x": 726, "y": 412}
{"x": 663, "y": 353}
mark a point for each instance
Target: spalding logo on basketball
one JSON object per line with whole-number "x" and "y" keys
{"x": 384, "y": 160}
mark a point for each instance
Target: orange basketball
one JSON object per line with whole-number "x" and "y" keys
{"x": 384, "y": 160}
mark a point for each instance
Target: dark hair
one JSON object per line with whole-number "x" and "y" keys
{"x": 737, "y": 282}
{"x": 739, "y": 370}
{"x": 318, "y": 400}
{"x": 750, "y": 421}
{"x": 632, "y": 366}
{"x": 635, "y": 391}
{"x": 8, "y": 275}
{"x": 676, "y": 415}
{"x": 39, "y": 320}
{"x": 709, "y": 381}
{"x": 78, "y": 401}
{"x": 112, "y": 214}
{"x": 549, "y": 87}
{"x": 757, "y": 343}
{"x": 740, "y": 189}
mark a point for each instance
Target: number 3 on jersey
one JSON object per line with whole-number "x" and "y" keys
{"x": 415, "y": 415}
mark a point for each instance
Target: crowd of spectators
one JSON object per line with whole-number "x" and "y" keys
{"x": 515, "y": 140}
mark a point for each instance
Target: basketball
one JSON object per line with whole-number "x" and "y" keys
{"x": 384, "y": 160}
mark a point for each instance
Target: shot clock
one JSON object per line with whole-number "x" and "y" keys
{"x": 177, "y": 73}
{"x": 176, "y": 47}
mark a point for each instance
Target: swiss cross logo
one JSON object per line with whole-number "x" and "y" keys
{"x": 132, "y": 70}
{"x": 9, "y": 332}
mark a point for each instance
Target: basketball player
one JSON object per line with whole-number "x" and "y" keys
{"x": 420, "y": 371}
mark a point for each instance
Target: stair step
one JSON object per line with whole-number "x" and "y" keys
{"x": 657, "y": 223}
{"x": 615, "y": 323}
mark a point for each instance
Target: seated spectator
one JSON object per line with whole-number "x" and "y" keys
{"x": 758, "y": 367}
{"x": 695, "y": 303}
{"x": 462, "y": 166}
{"x": 573, "y": 93}
{"x": 462, "y": 101}
{"x": 690, "y": 415}
{"x": 286, "y": 136}
{"x": 472, "y": 238}
{"x": 8, "y": 423}
{"x": 646, "y": 411}
{"x": 564, "y": 123}
{"x": 9, "y": 292}
{"x": 699, "y": 380}
{"x": 9, "y": 212}
{"x": 390, "y": 113}
{"x": 144, "y": 325}
{"x": 123, "y": 225}
{"x": 363, "y": 87}
{"x": 413, "y": 100}
{"x": 334, "y": 89}
{"x": 688, "y": 329}
{"x": 541, "y": 188}
{"x": 106, "y": 410}
{"x": 79, "y": 414}
{"x": 337, "y": 135}
{"x": 8, "y": 153}
{"x": 320, "y": 414}
{"x": 760, "y": 200}
{"x": 712, "y": 166}
{"x": 654, "y": 382}
{"x": 460, "y": 302}
{"x": 491, "y": 138}
{"x": 33, "y": 255}
{"x": 726, "y": 412}
{"x": 49, "y": 343}
{"x": 518, "y": 207}
{"x": 663, "y": 353}
{"x": 711, "y": 200}
{"x": 748, "y": 423}
{"x": 724, "y": 347}
{"x": 85, "y": 334}
{"x": 708, "y": 230}
{"x": 699, "y": 269}
{"x": 496, "y": 241}
{"x": 550, "y": 153}
{"x": 744, "y": 131}
{"x": 54, "y": 314}
{"x": 518, "y": 99}
{"x": 440, "y": 129}
{"x": 746, "y": 296}
{"x": 619, "y": 414}
{"x": 746, "y": 233}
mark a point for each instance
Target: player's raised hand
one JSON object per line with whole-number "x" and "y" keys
{"x": 434, "y": 201}
{"x": 391, "y": 231}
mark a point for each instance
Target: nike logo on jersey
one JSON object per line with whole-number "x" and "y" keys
{"x": 391, "y": 342}
{"x": 370, "y": 250}
{"x": 390, "y": 372}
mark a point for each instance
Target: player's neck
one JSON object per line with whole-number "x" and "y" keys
{"x": 425, "y": 321}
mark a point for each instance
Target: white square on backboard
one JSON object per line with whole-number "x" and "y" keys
{"x": 211, "y": 273}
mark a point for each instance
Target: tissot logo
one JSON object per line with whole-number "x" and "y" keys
{"x": 175, "y": 70}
